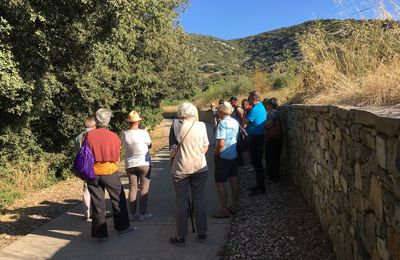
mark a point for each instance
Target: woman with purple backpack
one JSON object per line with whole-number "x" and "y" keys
{"x": 105, "y": 146}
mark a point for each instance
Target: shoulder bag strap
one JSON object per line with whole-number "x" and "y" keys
{"x": 185, "y": 136}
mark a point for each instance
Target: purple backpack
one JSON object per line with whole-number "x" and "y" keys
{"x": 84, "y": 162}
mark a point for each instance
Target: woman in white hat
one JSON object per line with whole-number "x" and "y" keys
{"x": 137, "y": 143}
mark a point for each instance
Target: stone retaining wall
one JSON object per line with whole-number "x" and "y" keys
{"x": 346, "y": 161}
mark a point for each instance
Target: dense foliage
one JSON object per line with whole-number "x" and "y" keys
{"x": 62, "y": 60}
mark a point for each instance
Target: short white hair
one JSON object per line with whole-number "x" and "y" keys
{"x": 103, "y": 117}
{"x": 188, "y": 110}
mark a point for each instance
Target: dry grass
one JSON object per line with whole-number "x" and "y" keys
{"x": 361, "y": 68}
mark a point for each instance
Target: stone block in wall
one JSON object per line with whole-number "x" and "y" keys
{"x": 337, "y": 146}
{"x": 364, "y": 117}
{"x": 336, "y": 178}
{"x": 327, "y": 124}
{"x": 372, "y": 131}
{"x": 367, "y": 228}
{"x": 357, "y": 177}
{"x": 355, "y": 132}
{"x": 382, "y": 249}
{"x": 363, "y": 153}
{"x": 323, "y": 143}
{"x": 343, "y": 183}
{"x": 388, "y": 126}
{"x": 393, "y": 242}
{"x": 312, "y": 124}
{"x": 359, "y": 250}
{"x": 393, "y": 156}
{"x": 367, "y": 139}
{"x": 392, "y": 211}
{"x": 375, "y": 197}
{"x": 321, "y": 127}
{"x": 342, "y": 113}
{"x": 359, "y": 201}
{"x": 381, "y": 151}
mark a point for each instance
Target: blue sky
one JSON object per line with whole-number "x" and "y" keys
{"x": 230, "y": 19}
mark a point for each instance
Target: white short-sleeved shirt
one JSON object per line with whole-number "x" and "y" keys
{"x": 136, "y": 143}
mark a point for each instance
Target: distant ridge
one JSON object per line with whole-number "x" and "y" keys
{"x": 224, "y": 58}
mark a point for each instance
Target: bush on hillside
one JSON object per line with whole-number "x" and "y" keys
{"x": 223, "y": 89}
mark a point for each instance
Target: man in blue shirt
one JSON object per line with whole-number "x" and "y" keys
{"x": 226, "y": 163}
{"x": 254, "y": 124}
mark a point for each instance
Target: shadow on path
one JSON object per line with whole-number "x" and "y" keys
{"x": 68, "y": 236}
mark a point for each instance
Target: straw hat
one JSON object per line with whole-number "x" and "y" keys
{"x": 133, "y": 117}
{"x": 226, "y": 108}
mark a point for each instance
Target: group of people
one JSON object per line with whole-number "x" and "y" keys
{"x": 105, "y": 146}
{"x": 188, "y": 141}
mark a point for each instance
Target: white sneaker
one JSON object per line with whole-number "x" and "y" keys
{"x": 145, "y": 216}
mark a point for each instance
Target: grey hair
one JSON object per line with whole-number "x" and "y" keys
{"x": 188, "y": 110}
{"x": 103, "y": 117}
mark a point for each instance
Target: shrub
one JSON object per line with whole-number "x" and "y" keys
{"x": 223, "y": 89}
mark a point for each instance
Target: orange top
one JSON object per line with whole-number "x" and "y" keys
{"x": 105, "y": 168}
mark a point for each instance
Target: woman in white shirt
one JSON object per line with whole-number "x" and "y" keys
{"x": 137, "y": 143}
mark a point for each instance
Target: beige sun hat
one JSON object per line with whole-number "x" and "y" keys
{"x": 226, "y": 108}
{"x": 133, "y": 117}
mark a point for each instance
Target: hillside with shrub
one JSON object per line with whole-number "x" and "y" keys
{"x": 351, "y": 62}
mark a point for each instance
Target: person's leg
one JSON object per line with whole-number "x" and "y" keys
{"x": 182, "y": 201}
{"x": 221, "y": 188}
{"x": 233, "y": 173}
{"x": 234, "y": 187}
{"x": 133, "y": 186}
{"x": 86, "y": 201}
{"x": 222, "y": 168}
{"x": 256, "y": 151}
{"x": 113, "y": 185}
{"x": 144, "y": 185}
{"x": 99, "y": 225}
{"x": 269, "y": 150}
{"x": 197, "y": 186}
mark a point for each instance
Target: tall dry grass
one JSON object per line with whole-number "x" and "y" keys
{"x": 360, "y": 66}
{"x": 24, "y": 176}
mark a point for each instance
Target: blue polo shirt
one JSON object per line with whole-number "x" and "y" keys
{"x": 257, "y": 118}
{"x": 228, "y": 129}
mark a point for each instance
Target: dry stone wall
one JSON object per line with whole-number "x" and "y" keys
{"x": 346, "y": 161}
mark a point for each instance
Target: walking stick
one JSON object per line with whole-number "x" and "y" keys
{"x": 191, "y": 215}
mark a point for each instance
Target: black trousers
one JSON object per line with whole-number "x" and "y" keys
{"x": 256, "y": 154}
{"x": 112, "y": 184}
{"x": 273, "y": 150}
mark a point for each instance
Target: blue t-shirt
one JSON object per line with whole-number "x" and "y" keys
{"x": 228, "y": 129}
{"x": 257, "y": 118}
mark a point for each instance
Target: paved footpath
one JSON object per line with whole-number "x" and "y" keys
{"x": 68, "y": 236}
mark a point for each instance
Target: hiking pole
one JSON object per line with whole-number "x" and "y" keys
{"x": 191, "y": 215}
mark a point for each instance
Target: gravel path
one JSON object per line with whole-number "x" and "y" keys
{"x": 277, "y": 225}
